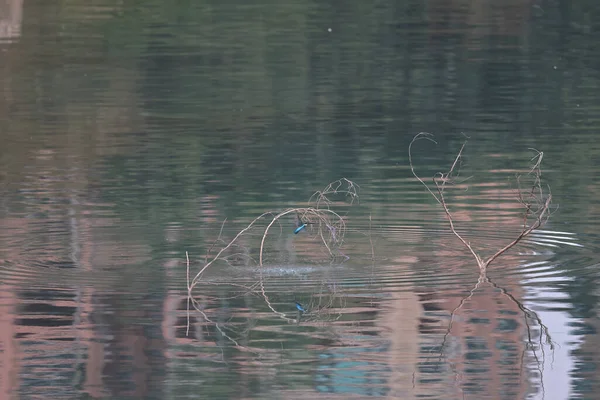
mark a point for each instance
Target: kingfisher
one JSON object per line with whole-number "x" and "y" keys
{"x": 300, "y": 224}
{"x": 300, "y": 308}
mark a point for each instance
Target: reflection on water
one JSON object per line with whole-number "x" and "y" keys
{"x": 11, "y": 15}
{"x": 130, "y": 134}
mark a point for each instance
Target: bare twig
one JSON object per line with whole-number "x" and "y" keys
{"x": 187, "y": 275}
{"x": 536, "y": 211}
{"x": 536, "y": 203}
{"x": 426, "y": 136}
{"x": 217, "y": 257}
{"x": 213, "y": 245}
{"x": 329, "y": 225}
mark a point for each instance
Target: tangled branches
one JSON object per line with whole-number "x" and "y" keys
{"x": 317, "y": 217}
{"x": 534, "y": 200}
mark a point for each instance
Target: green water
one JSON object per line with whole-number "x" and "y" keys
{"x": 134, "y": 132}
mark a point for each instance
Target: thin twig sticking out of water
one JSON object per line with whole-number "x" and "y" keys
{"x": 535, "y": 202}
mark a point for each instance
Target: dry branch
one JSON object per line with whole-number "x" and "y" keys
{"x": 535, "y": 202}
{"x": 328, "y": 225}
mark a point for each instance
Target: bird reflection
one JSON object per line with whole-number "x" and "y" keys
{"x": 300, "y": 308}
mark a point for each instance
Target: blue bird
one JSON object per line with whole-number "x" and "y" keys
{"x": 298, "y": 229}
{"x": 300, "y": 308}
{"x": 300, "y": 224}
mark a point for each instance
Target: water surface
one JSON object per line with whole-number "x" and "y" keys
{"x": 132, "y": 134}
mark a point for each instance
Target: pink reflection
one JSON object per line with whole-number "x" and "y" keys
{"x": 11, "y": 15}
{"x": 9, "y": 363}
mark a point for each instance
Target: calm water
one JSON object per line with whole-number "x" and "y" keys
{"x": 134, "y": 132}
